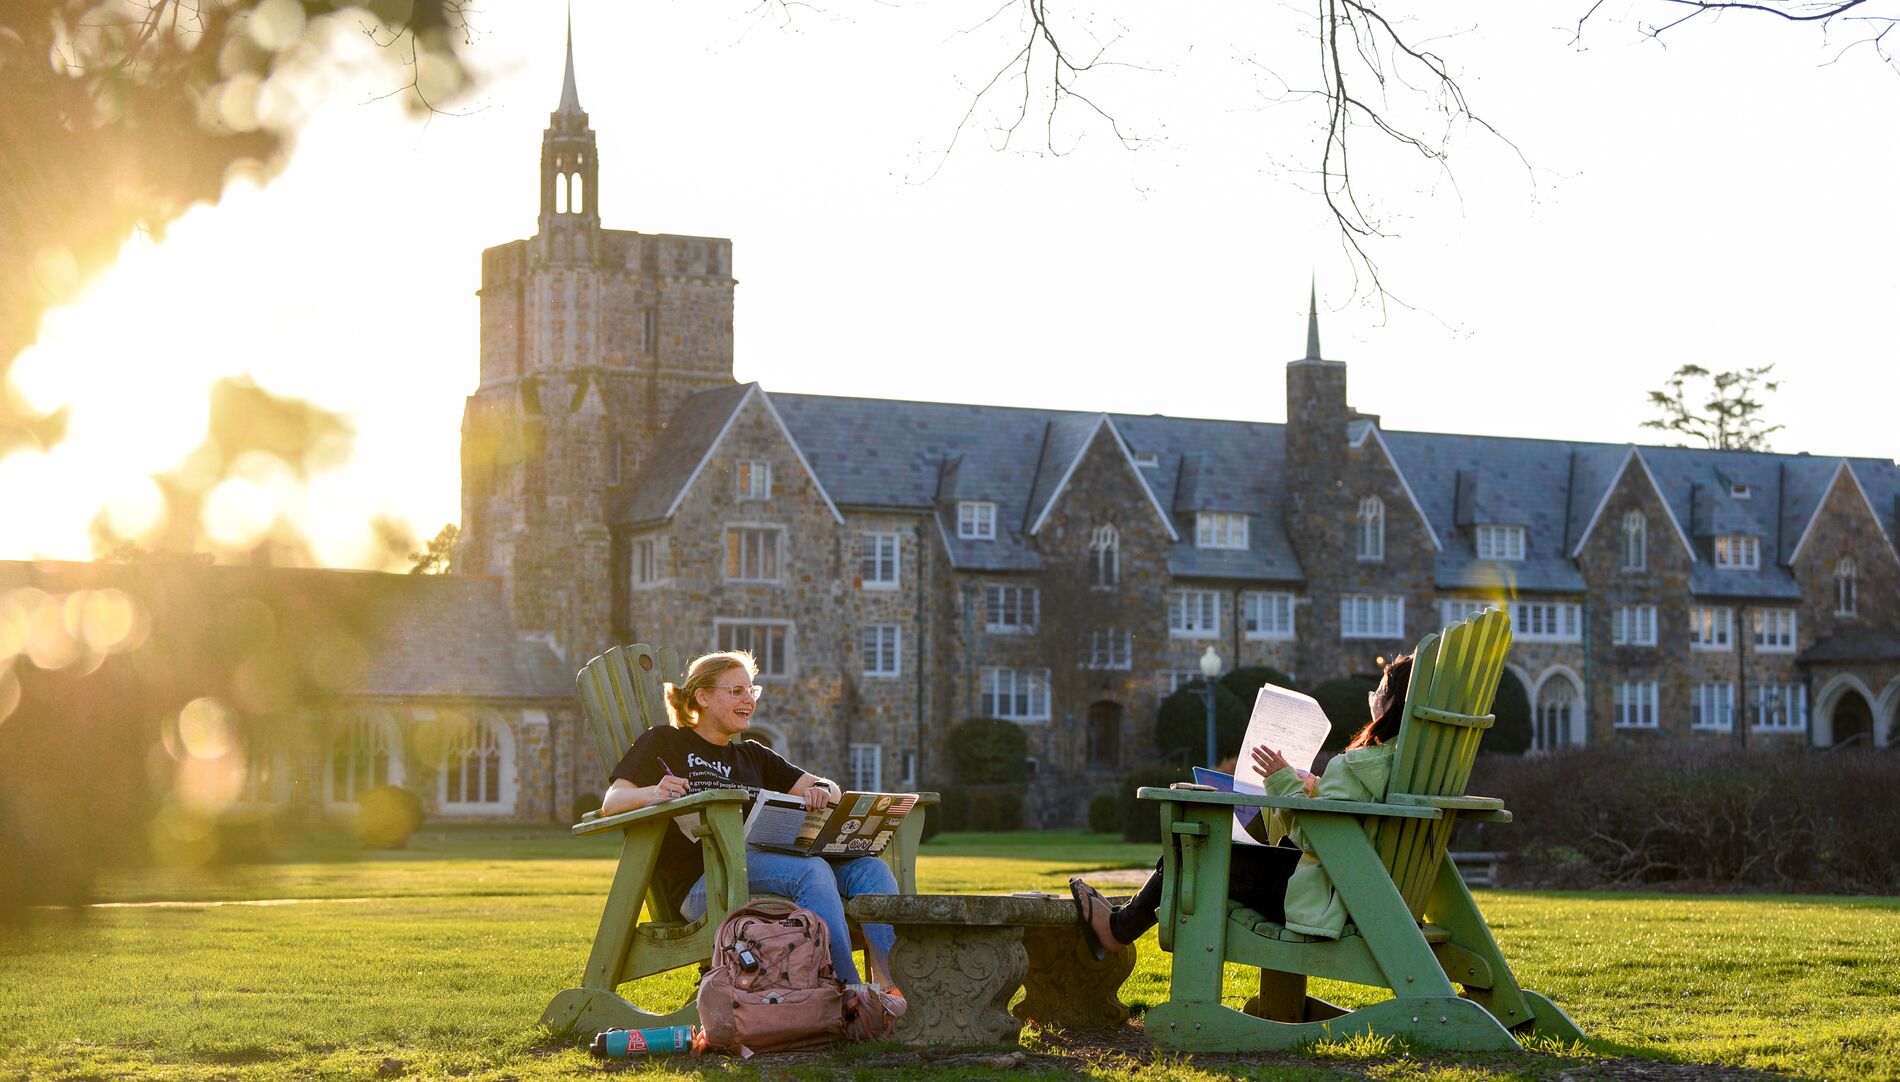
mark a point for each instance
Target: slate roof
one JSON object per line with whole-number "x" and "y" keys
{"x": 1853, "y": 644}
{"x": 926, "y": 456}
{"x": 1520, "y": 483}
{"x": 689, "y": 434}
{"x": 422, "y": 636}
{"x": 1219, "y": 466}
{"x": 1065, "y": 440}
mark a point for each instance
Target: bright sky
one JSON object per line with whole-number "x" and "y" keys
{"x": 1726, "y": 201}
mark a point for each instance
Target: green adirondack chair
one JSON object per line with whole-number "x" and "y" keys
{"x": 1414, "y": 928}
{"x": 621, "y": 695}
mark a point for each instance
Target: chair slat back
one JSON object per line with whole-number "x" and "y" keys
{"x": 1454, "y": 674}
{"x": 622, "y": 696}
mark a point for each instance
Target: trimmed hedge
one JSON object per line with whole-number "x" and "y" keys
{"x": 1141, "y": 819}
{"x": 1695, "y": 817}
{"x": 1344, "y": 700}
{"x": 1245, "y": 682}
{"x": 386, "y": 816}
{"x": 1511, "y": 733}
{"x": 1105, "y": 814}
{"x": 982, "y": 808}
{"x": 1181, "y": 722}
{"x": 990, "y": 751}
{"x": 584, "y": 803}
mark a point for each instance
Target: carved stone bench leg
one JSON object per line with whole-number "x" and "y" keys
{"x": 958, "y": 982}
{"x": 1067, "y": 988}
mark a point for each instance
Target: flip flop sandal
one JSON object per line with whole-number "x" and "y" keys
{"x": 1084, "y": 896}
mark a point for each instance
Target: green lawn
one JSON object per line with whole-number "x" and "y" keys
{"x": 441, "y": 957}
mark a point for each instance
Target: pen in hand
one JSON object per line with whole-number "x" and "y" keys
{"x": 670, "y": 786}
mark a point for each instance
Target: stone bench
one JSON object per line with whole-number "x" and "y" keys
{"x": 960, "y": 958}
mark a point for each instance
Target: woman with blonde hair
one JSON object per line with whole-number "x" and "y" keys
{"x": 704, "y": 749}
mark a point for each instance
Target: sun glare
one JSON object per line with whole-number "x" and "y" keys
{"x": 133, "y": 359}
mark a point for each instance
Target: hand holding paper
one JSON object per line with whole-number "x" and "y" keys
{"x": 1289, "y": 723}
{"x": 1291, "y": 727}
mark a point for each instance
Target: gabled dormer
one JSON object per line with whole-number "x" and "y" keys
{"x": 1728, "y": 531}
{"x": 1494, "y": 526}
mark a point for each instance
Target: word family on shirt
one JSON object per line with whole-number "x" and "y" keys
{"x": 745, "y": 765}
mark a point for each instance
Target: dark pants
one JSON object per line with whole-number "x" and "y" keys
{"x": 1256, "y": 878}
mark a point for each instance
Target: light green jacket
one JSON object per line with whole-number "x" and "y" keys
{"x": 1312, "y": 905}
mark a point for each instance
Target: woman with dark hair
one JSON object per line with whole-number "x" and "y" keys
{"x": 1279, "y": 880}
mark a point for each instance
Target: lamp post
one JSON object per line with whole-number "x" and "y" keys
{"x": 1210, "y": 668}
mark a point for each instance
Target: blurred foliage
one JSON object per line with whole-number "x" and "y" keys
{"x": 436, "y": 558}
{"x": 258, "y": 447}
{"x": 386, "y": 816}
{"x": 121, "y": 114}
{"x": 137, "y": 701}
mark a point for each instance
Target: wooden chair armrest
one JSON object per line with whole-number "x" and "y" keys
{"x": 1449, "y": 803}
{"x": 1290, "y": 803}
{"x": 664, "y": 810}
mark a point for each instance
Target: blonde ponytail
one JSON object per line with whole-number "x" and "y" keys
{"x": 682, "y": 700}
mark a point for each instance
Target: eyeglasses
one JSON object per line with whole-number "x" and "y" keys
{"x": 740, "y": 690}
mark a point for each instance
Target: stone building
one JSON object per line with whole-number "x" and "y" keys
{"x": 901, "y": 566}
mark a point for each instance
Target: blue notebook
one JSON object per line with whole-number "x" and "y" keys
{"x": 1225, "y": 783}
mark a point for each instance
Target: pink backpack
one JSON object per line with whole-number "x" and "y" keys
{"x": 771, "y": 987}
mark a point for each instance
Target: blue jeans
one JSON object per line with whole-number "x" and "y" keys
{"x": 821, "y": 886}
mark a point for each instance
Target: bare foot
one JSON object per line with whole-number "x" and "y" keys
{"x": 1094, "y": 912}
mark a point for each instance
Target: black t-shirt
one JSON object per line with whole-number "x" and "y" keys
{"x": 742, "y": 764}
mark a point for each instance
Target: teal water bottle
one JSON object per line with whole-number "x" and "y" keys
{"x": 628, "y": 1043}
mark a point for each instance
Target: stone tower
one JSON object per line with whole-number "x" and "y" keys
{"x": 1317, "y": 513}
{"x": 590, "y": 337}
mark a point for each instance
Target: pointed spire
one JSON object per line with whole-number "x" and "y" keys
{"x": 1312, "y": 320}
{"x": 570, "y": 97}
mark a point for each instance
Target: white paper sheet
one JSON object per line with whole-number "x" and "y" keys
{"x": 1288, "y": 722}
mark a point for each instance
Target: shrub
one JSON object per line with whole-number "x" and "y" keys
{"x": 990, "y": 751}
{"x": 1105, "y": 814}
{"x": 1695, "y": 815}
{"x": 1245, "y": 682}
{"x": 933, "y": 819}
{"x": 584, "y": 803}
{"x": 386, "y": 816}
{"x": 1141, "y": 819}
{"x": 1344, "y": 700}
{"x": 980, "y": 807}
{"x": 1181, "y": 723}
{"x": 1511, "y": 733}
{"x": 954, "y": 812}
{"x": 996, "y": 808}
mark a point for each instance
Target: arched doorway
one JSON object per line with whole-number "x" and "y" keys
{"x": 1105, "y": 736}
{"x": 1853, "y": 719}
{"x": 1556, "y": 710}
